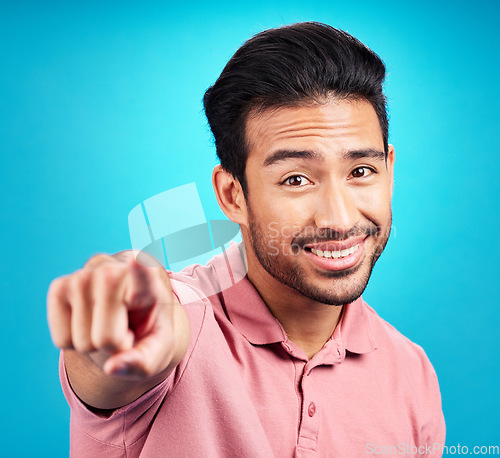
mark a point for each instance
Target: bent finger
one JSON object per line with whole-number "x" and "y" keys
{"x": 110, "y": 329}
{"x": 59, "y": 313}
{"x": 80, "y": 298}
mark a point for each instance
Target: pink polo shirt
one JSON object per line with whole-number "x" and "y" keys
{"x": 245, "y": 390}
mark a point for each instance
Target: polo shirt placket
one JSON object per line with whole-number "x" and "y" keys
{"x": 308, "y": 397}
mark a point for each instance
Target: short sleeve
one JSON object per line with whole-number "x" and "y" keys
{"x": 91, "y": 433}
{"x": 434, "y": 430}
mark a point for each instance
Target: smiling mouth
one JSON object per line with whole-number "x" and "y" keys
{"x": 334, "y": 254}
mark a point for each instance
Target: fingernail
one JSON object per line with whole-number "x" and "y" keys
{"x": 121, "y": 370}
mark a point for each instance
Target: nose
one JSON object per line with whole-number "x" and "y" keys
{"x": 336, "y": 210}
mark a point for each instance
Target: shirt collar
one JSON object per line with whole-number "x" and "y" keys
{"x": 355, "y": 329}
{"x": 250, "y": 315}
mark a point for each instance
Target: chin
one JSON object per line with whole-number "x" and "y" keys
{"x": 335, "y": 288}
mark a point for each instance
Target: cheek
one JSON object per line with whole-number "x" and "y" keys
{"x": 282, "y": 231}
{"x": 375, "y": 204}
{"x": 283, "y": 218}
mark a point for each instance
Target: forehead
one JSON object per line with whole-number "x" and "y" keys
{"x": 338, "y": 125}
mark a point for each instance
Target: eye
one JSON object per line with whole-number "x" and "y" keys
{"x": 362, "y": 172}
{"x": 296, "y": 181}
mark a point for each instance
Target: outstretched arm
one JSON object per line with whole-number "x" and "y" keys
{"x": 120, "y": 326}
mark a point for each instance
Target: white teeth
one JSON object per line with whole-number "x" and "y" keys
{"x": 335, "y": 254}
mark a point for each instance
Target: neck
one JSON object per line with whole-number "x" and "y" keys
{"x": 307, "y": 323}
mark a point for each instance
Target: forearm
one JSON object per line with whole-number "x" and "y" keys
{"x": 99, "y": 390}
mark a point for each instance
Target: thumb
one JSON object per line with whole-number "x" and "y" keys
{"x": 151, "y": 353}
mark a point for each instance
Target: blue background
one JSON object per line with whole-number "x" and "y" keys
{"x": 100, "y": 108}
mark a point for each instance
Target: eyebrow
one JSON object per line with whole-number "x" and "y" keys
{"x": 283, "y": 155}
{"x": 364, "y": 153}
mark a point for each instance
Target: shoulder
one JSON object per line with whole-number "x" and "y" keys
{"x": 402, "y": 367}
{"x": 409, "y": 357}
{"x": 198, "y": 282}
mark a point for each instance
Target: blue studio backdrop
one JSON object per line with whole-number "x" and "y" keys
{"x": 100, "y": 110}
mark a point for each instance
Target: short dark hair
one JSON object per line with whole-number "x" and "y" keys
{"x": 289, "y": 66}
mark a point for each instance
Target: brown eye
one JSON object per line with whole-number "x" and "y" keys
{"x": 296, "y": 181}
{"x": 361, "y": 172}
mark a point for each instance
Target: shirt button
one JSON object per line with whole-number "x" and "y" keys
{"x": 311, "y": 410}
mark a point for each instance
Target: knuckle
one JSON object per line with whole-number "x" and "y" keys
{"x": 62, "y": 341}
{"x": 109, "y": 274}
{"x": 83, "y": 345}
{"x": 56, "y": 287}
{"x": 80, "y": 280}
{"x": 97, "y": 260}
{"x": 104, "y": 339}
{"x": 125, "y": 255}
{"x": 103, "y": 342}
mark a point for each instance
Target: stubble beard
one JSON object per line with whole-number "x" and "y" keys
{"x": 341, "y": 287}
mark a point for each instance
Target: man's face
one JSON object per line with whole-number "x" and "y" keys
{"x": 319, "y": 198}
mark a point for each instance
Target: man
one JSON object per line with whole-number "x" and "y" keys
{"x": 288, "y": 361}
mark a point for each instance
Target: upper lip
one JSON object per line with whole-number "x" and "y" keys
{"x": 333, "y": 245}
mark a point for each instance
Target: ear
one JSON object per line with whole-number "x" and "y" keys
{"x": 229, "y": 195}
{"x": 390, "y": 165}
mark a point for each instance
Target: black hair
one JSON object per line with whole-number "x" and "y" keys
{"x": 289, "y": 66}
